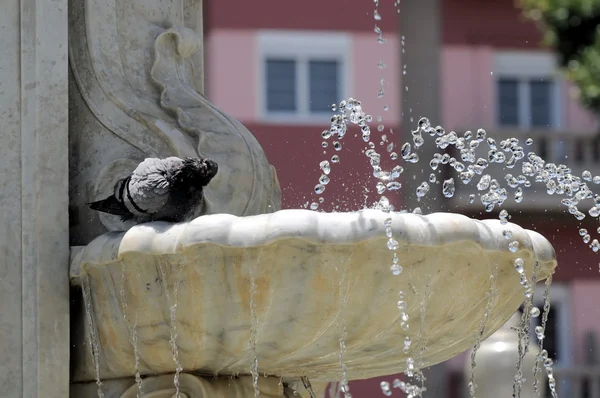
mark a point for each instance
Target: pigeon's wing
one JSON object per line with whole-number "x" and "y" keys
{"x": 151, "y": 183}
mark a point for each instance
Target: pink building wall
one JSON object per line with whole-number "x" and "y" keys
{"x": 366, "y": 75}
{"x": 232, "y": 60}
{"x": 231, "y": 69}
{"x": 467, "y": 87}
{"x": 585, "y": 315}
{"x": 468, "y": 96}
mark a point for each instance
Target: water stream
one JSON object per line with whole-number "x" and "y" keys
{"x": 133, "y": 334}
{"x": 166, "y": 271}
{"x": 253, "y": 328}
{"x": 491, "y": 295}
{"x": 542, "y": 358}
{"x": 94, "y": 343}
{"x": 344, "y": 387}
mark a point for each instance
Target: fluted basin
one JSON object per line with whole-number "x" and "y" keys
{"x": 315, "y": 274}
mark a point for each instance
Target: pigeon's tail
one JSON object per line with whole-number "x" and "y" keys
{"x": 111, "y": 205}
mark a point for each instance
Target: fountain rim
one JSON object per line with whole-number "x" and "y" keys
{"x": 343, "y": 228}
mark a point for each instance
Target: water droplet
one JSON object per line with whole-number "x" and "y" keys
{"x": 535, "y": 312}
{"x": 484, "y": 183}
{"x": 529, "y": 141}
{"x": 519, "y": 265}
{"x": 422, "y": 190}
{"x": 507, "y": 234}
{"x": 337, "y": 145}
{"x": 405, "y": 151}
{"x": 324, "y": 180}
{"x": 539, "y": 332}
{"x": 376, "y": 15}
{"x": 324, "y": 165}
{"x": 448, "y": 188}
{"x": 314, "y": 206}
{"x": 396, "y": 270}
{"x": 326, "y": 134}
{"x": 586, "y": 175}
{"x": 392, "y": 244}
{"x": 393, "y": 186}
{"x": 335, "y": 159}
{"x": 319, "y": 189}
{"x": 471, "y": 198}
{"x": 513, "y": 246}
{"x": 385, "y": 388}
{"x": 396, "y": 171}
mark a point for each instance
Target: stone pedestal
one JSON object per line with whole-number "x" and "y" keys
{"x": 34, "y": 243}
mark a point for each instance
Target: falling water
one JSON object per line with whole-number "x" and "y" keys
{"x": 525, "y": 324}
{"x": 253, "y": 330}
{"x": 136, "y": 354}
{"x": 94, "y": 343}
{"x": 543, "y": 354}
{"x": 133, "y": 337}
{"x": 172, "y": 302}
{"x": 482, "y": 324}
{"x": 344, "y": 387}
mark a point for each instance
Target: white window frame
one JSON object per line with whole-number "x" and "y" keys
{"x": 525, "y": 66}
{"x": 560, "y": 298}
{"x": 302, "y": 47}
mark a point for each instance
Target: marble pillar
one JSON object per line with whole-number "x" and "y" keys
{"x": 34, "y": 242}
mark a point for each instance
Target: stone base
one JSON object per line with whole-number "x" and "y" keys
{"x": 190, "y": 386}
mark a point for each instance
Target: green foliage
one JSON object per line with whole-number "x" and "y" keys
{"x": 572, "y": 28}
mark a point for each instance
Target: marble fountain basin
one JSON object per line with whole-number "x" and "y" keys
{"x": 315, "y": 275}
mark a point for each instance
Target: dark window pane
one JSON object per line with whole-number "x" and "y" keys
{"x": 508, "y": 102}
{"x": 281, "y": 85}
{"x": 323, "y": 77}
{"x": 541, "y": 100}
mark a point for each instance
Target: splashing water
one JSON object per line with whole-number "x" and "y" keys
{"x": 172, "y": 302}
{"x": 482, "y": 324}
{"x": 492, "y": 192}
{"x": 253, "y": 331}
{"x": 94, "y": 343}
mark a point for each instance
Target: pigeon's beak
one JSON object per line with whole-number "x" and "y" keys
{"x": 211, "y": 168}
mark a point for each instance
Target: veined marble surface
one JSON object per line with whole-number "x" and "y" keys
{"x": 316, "y": 274}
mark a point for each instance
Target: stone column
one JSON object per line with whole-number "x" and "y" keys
{"x": 34, "y": 243}
{"x": 420, "y": 26}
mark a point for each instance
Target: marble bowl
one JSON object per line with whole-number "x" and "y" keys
{"x": 317, "y": 276}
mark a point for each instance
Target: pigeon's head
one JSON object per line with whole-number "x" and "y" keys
{"x": 199, "y": 172}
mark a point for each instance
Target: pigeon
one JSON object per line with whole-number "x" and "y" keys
{"x": 169, "y": 189}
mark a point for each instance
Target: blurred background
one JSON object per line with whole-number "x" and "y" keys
{"x": 526, "y": 69}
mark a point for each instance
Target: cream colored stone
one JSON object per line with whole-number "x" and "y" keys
{"x": 315, "y": 274}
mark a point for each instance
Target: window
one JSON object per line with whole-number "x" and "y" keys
{"x": 302, "y": 75}
{"x": 281, "y": 85}
{"x": 527, "y": 91}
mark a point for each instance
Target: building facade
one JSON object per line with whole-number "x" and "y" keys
{"x": 278, "y": 66}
